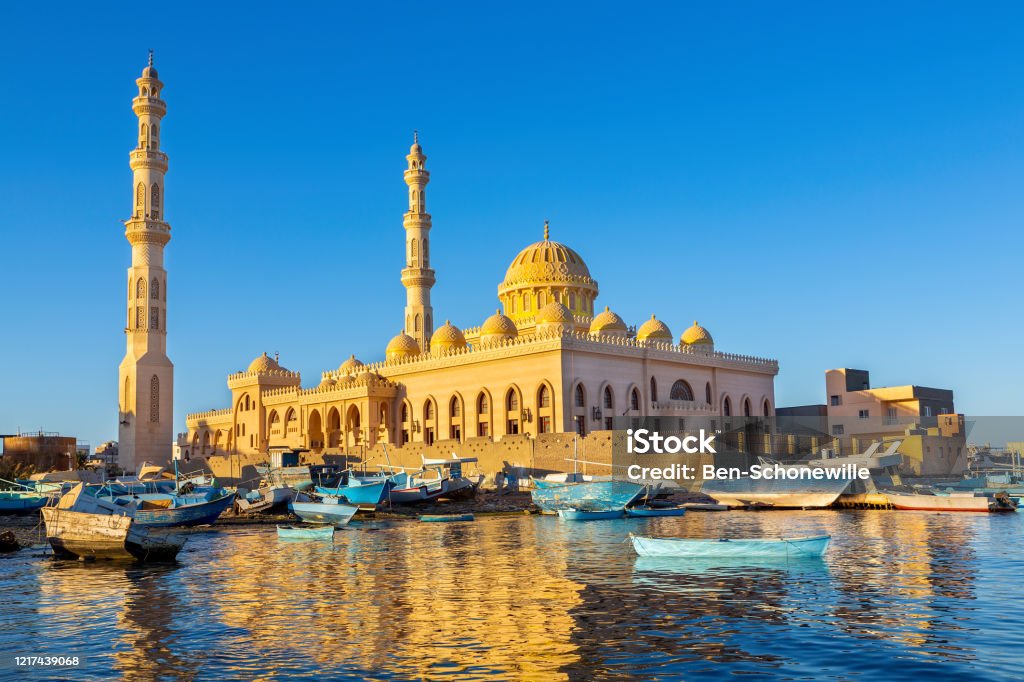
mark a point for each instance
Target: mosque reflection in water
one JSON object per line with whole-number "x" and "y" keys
{"x": 526, "y": 598}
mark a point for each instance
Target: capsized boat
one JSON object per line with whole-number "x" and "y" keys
{"x": 647, "y": 511}
{"x": 590, "y": 515}
{"x": 330, "y": 510}
{"x": 301, "y": 533}
{"x": 967, "y": 502}
{"x": 739, "y": 548}
{"x": 604, "y": 493}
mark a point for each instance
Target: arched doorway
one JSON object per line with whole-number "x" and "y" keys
{"x": 315, "y": 432}
{"x": 353, "y": 428}
{"x": 333, "y": 428}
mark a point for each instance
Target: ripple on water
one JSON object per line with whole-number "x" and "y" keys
{"x": 899, "y": 595}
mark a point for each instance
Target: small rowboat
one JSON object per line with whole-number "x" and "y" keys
{"x": 445, "y": 518}
{"x": 331, "y": 511}
{"x": 300, "y": 533}
{"x": 586, "y": 515}
{"x": 742, "y": 548}
{"x": 646, "y": 511}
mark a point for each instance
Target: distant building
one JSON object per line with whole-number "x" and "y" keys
{"x": 855, "y": 415}
{"x": 45, "y": 451}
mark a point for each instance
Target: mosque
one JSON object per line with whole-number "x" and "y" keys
{"x": 548, "y": 363}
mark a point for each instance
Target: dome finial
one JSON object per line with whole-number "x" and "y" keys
{"x": 151, "y": 56}
{"x": 547, "y": 231}
{"x": 415, "y": 136}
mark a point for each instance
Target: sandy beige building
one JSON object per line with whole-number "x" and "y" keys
{"x": 543, "y": 364}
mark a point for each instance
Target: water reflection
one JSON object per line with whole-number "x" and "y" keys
{"x": 540, "y": 598}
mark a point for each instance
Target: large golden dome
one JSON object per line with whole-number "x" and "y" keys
{"x": 446, "y": 338}
{"x": 607, "y": 322}
{"x": 402, "y": 346}
{"x": 697, "y": 335}
{"x": 263, "y": 364}
{"x": 654, "y": 330}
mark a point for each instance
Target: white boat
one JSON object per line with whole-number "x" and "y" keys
{"x": 950, "y": 503}
{"x": 264, "y": 498}
{"x": 331, "y": 511}
{"x": 438, "y": 478}
{"x": 739, "y": 548}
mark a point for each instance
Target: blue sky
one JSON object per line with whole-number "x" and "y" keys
{"x": 827, "y": 184}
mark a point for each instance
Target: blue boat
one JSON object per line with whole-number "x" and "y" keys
{"x": 605, "y": 494}
{"x": 181, "y": 510}
{"x": 646, "y": 511}
{"x": 589, "y": 515}
{"x": 21, "y": 501}
{"x": 299, "y": 533}
{"x": 331, "y": 511}
{"x": 363, "y": 489}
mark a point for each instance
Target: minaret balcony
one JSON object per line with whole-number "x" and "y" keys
{"x": 148, "y": 158}
{"x": 417, "y": 277}
{"x": 149, "y": 105}
{"x": 147, "y": 230}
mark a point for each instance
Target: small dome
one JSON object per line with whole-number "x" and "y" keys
{"x": 696, "y": 335}
{"x": 554, "y": 313}
{"x": 654, "y": 330}
{"x": 402, "y": 346}
{"x": 498, "y": 325}
{"x": 149, "y": 72}
{"x": 446, "y": 338}
{"x": 264, "y": 364}
{"x": 369, "y": 376}
{"x": 607, "y": 321}
{"x": 350, "y": 365}
{"x": 327, "y": 382}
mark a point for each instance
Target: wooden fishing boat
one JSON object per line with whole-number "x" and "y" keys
{"x": 438, "y": 478}
{"x": 182, "y": 510}
{"x": 590, "y": 515}
{"x": 363, "y": 489}
{"x": 445, "y": 518}
{"x": 80, "y": 535}
{"x": 645, "y": 511}
{"x": 950, "y": 503}
{"x": 734, "y": 548}
{"x": 303, "y": 533}
{"x": 330, "y": 510}
{"x": 264, "y": 499}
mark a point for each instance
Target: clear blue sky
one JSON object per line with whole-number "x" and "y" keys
{"x": 830, "y": 185}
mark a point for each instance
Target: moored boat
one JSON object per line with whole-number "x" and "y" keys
{"x": 648, "y": 511}
{"x": 362, "y": 489}
{"x": 951, "y": 503}
{"x": 606, "y": 494}
{"x": 779, "y": 493}
{"x": 264, "y": 499}
{"x": 301, "y": 533}
{"x": 438, "y": 478}
{"x": 331, "y": 511}
{"x": 80, "y": 535}
{"x": 21, "y": 501}
{"x": 182, "y": 510}
{"x": 739, "y": 548}
{"x": 590, "y": 515}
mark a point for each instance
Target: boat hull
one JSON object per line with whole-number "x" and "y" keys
{"x": 292, "y": 533}
{"x": 21, "y": 503}
{"x": 320, "y": 512}
{"x": 646, "y": 512}
{"x": 777, "y": 493}
{"x": 550, "y": 497}
{"x": 784, "y": 548}
{"x": 79, "y": 535}
{"x": 365, "y": 493}
{"x": 952, "y": 503}
{"x": 446, "y": 518}
{"x": 580, "y": 515}
{"x": 200, "y": 514}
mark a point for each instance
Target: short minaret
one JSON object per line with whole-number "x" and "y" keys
{"x": 146, "y": 375}
{"x": 417, "y": 277}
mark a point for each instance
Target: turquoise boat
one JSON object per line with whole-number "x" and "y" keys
{"x": 21, "y": 501}
{"x": 590, "y": 515}
{"x": 331, "y": 511}
{"x": 364, "y": 489}
{"x": 595, "y": 495}
{"x": 446, "y": 518}
{"x": 300, "y": 533}
{"x": 645, "y": 511}
{"x": 739, "y": 548}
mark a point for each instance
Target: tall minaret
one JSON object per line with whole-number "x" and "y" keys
{"x": 417, "y": 277}
{"x": 146, "y": 375}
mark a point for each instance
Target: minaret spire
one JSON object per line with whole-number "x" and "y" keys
{"x": 146, "y": 375}
{"x": 417, "y": 277}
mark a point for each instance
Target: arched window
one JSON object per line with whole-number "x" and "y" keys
{"x": 634, "y": 400}
{"x": 140, "y": 288}
{"x": 542, "y": 299}
{"x": 767, "y": 409}
{"x": 707, "y": 393}
{"x": 526, "y": 302}
{"x": 572, "y": 301}
{"x": 681, "y": 391}
{"x": 417, "y": 323}
{"x": 654, "y": 390}
{"x": 609, "y": 401}
{"x": 746, "y": 407}
{"x": 154, "y": 200}
{"x": 140, "y": 197}
{"x": 727, "y": 407}
{"x": 512, "y": 400}
{"x": 428, "y": 410}
{"x": 426, "y": 252}
{"x": 455, "y": 409}
{"x": 581, "y": 396}
{"x": 482, "y": 406}
{"x": 154, "y": 288}
{"x": 544, "y": 397}
{"x": 414, "y": 252}
{"x": 154, "y": 399}
{"x": 405, "y": 412}
{"x": 154, "y": 317}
